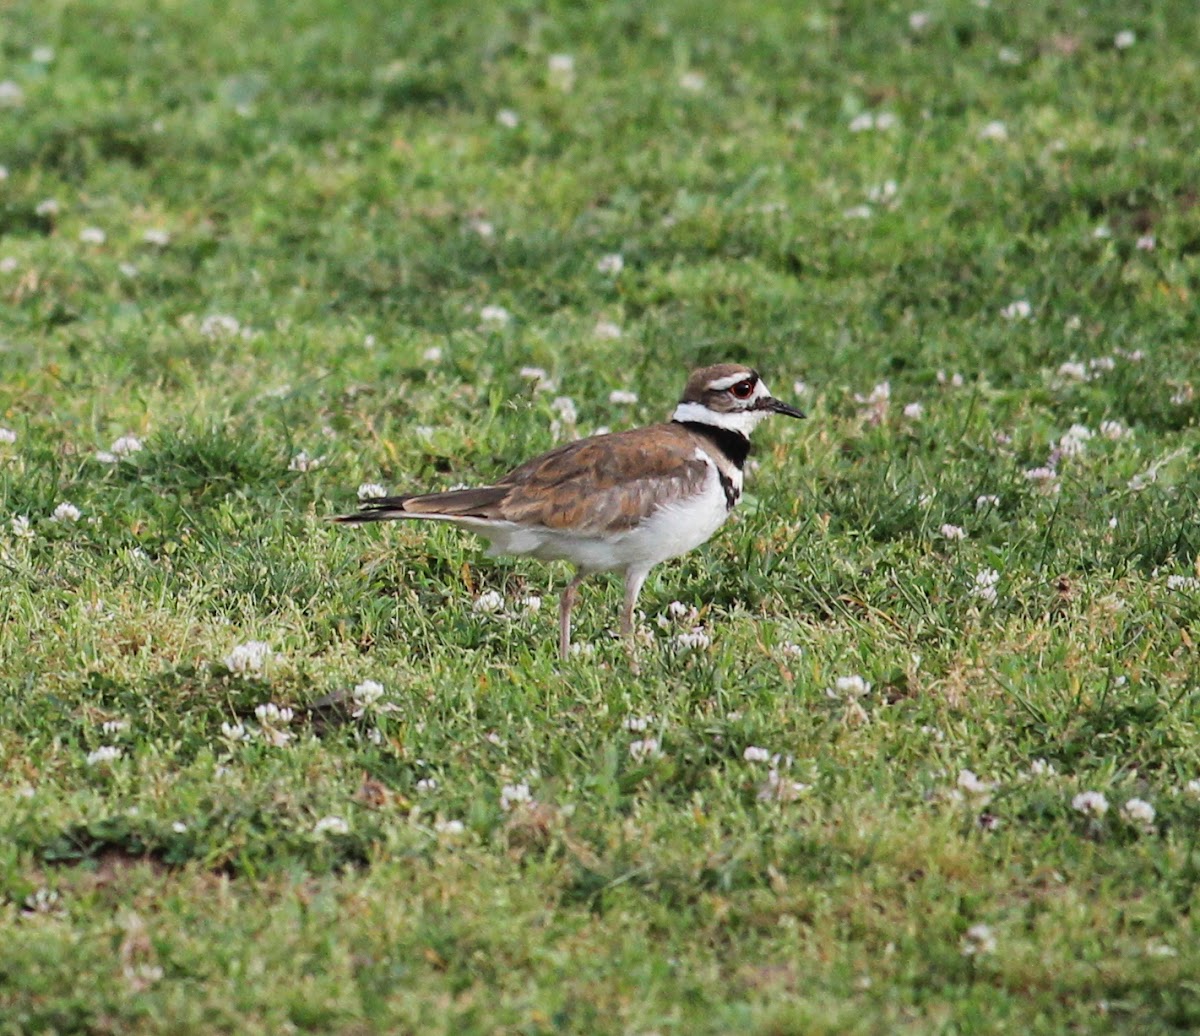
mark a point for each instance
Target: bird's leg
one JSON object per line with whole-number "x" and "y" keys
{"x": 565, "y": 603}
{"x": 634, "y": 578}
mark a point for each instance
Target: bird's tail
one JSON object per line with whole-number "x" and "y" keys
{"x": 457, "y": 503}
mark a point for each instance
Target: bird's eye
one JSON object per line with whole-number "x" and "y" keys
{"x": 743, "y": 389}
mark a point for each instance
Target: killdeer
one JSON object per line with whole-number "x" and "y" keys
{"x": 620, "y": 502}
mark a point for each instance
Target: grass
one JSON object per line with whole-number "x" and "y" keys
{"x": 347, "y": 187}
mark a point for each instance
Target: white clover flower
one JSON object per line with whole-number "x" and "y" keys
{"x": 156, "y": 237}
{"x": 754, "y": 754}
{"x": 1114, "y": 430}
{"x": 48, "y": 207}
{"x": 432, "y": 355}
{"x": 371, "y": 491}
{"x": 531, "y": 605}
{"x": 607, "y": 330}
{"x": 883, "y": 193}
{"x": 43, "y": 901}
{"x": 639, "y": 724}
{"x": 914, "y": 411}
{"x": 987, "y": 500}
{"x": 777, "y": 788}
{"x": 11, "y": 94}
{"x": 865, "y": 121}
{"x": 219, "y": 325}
{"x": 9, "y": 263}
{"x": 512, "y": 795}
{"x": 1090, "y": 803}
{"x": 583, "y": 648}
{"x": 1124, "y": 39}
{"x": 978, "y": 940}
{"x": 1041, "y": 768}
{"x": 1183, "y": 583}
{"x": 427, "y": 784}
{"x": 1074, "y": 441}
{"x": 234, "y": 732}
{"x": 790, "y": 650}
{"x": 1193, "y": 788}
{"x": 613, "y": 263}
{"x": 970, "y": 784}
{"x": 692, "y": 82}
{"x": 303, "y": 462}
{"x": 1138, "y": 811}
{"x": 919, "y": 20}
{"x": 852, "y": 685}
{"x": 984, "y": 586}
{"x": 645, "y": 749}
{"x": 42, "y": 55}
{"x": 66, "y": 512}
{"x": 488, "y": 603}
{"x": 92, "y": 236}
{"x": 251, "y": 657}
{"x": 1074, "y": 371}
{"x": 694, "y": 640}
{"x": 1146, "y": 243}
{"x": 273, "y": 715}
{"x": 331, "y": 825}
{"x": 994, "y": 130}
{"x": 494, "y": 316}
{"x": 112, "y": 727}
{"x": 450, "y": 828}
{"x": 21, "y": 528}
{"x": 1042, "y": 474}
{"x": 681, "y": 612}
{"x": 366, "y": 695}
{"x": 1018, "y": 310}
{"x": 508, "y": 118}
{"x": 953, "y": 532}
{"x": 564, "y": 406}
{"x": 7, "y": 435}
{"x": 484, "y": 228}
{"x": 104, "y": 754}
{"x": 1102, "y": 232}
{"x": 1008, "y": 56}
{"x": 561, "y": 72}
{"x": 621, "y": 397}
{"x": 857, "y": 212}
{"x": 127, "y": 269}
{"x": 875, "y": 403}
{"x": 125, "y": 446}
{"x": 539, "y": 377}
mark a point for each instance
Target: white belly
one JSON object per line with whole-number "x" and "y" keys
{"x": 672, "y": 530}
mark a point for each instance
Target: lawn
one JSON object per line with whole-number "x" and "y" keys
{"x": 913, "y": 745}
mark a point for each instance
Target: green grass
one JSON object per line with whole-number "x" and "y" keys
{"x": 325, "y": 173}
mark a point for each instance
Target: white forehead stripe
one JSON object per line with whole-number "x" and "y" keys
{"x": 728, "y": 381}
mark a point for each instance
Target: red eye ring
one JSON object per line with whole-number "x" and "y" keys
{"x": 743, "y": 389}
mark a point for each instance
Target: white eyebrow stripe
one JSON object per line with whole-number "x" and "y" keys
{"x": 728, "y": 381}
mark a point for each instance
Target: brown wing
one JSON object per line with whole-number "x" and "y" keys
{"x": 606, "y": 482}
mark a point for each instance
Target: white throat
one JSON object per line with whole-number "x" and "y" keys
{"x": 743, "y": 421}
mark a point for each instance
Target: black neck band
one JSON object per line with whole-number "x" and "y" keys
{"x": 733, "y": 444}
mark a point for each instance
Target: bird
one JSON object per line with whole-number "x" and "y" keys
{"x": 617, "y": 502}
